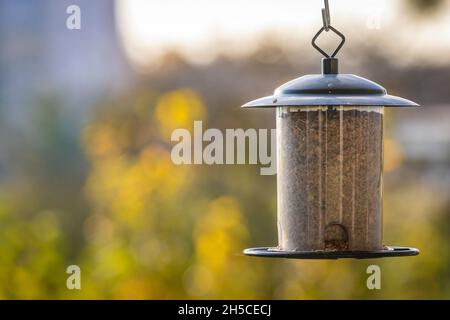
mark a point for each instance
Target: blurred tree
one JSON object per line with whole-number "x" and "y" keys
{"x": 425, "y": 7}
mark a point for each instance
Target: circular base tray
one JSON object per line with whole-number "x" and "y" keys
{"x": 385, "y": 253}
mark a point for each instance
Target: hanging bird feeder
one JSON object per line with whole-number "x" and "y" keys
{"x": 330, "y": 163}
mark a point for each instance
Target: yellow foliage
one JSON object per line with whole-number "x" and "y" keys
{"x": 393, "y": 154}
{"x": 220, "y": 233}
{"x": 178, "y": 109}
{"x": 101, "y": 140}
{"x": 220, "y": 270}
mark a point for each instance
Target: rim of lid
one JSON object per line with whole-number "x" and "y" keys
{"x": 330, "y": 90}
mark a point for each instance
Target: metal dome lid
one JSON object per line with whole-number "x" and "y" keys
{"x": 330, "y": 89}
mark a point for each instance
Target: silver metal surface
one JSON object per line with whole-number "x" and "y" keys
{"x": 330, "y": 90}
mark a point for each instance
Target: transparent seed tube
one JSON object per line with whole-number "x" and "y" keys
{"x": 330, "y": 178}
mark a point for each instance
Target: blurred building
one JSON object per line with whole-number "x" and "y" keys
{"x": 40, "y": 56}
{"x": 425, "y": 134}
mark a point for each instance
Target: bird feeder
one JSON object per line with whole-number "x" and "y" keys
{"x": 330, "y": 163}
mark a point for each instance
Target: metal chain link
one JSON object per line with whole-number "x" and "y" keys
{"x": 327, "y": 27}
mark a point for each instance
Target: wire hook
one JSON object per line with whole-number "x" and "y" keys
{"x": 326, "y": 16}
{"x": 327, "y": 27}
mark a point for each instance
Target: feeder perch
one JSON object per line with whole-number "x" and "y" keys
{"x": 330, "y": 163}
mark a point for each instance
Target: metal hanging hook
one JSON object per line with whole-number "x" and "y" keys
{"x": 326, "y": 16}
{"x": 327, "y": 27}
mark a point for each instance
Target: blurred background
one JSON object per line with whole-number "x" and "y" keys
{"x": 85, "y": 121}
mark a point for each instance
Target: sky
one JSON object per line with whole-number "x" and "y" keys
{"x": 201, "y": 29}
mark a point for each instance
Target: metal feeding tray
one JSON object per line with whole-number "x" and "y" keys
{"x": 270, "y": 252}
